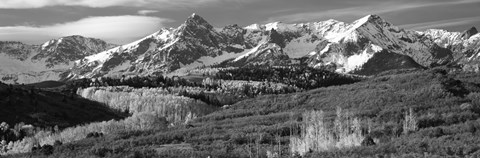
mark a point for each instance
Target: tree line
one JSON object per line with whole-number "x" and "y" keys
{"x": 300, "y": 76}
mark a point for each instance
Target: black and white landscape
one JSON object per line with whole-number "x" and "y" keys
{"x": 308, "y": 78}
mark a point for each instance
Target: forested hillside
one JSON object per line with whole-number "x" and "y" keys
{"x": 43, "y": 108}
{"x": 406, "y": 113}
{"x": 27, "y": 112}
{"x": 300, "y": 76}
{"x": 176, "y": 109}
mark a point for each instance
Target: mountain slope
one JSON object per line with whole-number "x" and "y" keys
{"x": 163, "y": 51}
{"x": 196, "y": 43}
{"x": 346, "y": 47}
{"x": 47, "y": 109}
{"x": 447, "y": 125}
{"x": 369, "y": 35}
{"x": 465, "y": 46}
{"x": 22, "y": 63}
{"x": 331, "y": 44}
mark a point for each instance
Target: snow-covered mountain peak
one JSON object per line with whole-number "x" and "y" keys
{"x": 193, "y": 15}
{"x": 331, "y": 44}
{"x": 362, "y": 21}
{"x": 163, "y": 34}
{"x": 330, "y": 22}
{"x": 442, "y": 37}
{"x": 370, "y": 19}
{"x": 196, "y": 19}
{"x": 366, "y": 26}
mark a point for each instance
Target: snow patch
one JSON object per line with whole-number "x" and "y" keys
{"x": 271, "y": 26}
{"x": 164, "y": 36}
{"x": 250, "y": 52}
{"x": 169, "y": 44}
{"x": 357, "y": 60}
{"x": 101, "y": 57}
{"x": 205, "y": 61}
{"x": 376, "y": 48}
{"x": 361, "y": 21}
{"x": 324, "y": 50}
{"x": 252, "y": 27}
{"x": 46, "y": 44}
{"x": 10, "y": 65}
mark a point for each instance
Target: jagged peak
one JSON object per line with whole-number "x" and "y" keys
{"x": 332, "y": 21}
{"x": 473, "y": 28}
{"x": 469, "y": 33}
{"x": 372, "y": 18}
{"x": 195, "y": 19}
{"x": 193, "y": 15}
{"x": 75, "y": 36}
{"x": 275, "y": 37}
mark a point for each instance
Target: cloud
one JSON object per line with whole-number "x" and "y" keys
{"x": 19, "y": 4}
{"x": 373, "y": 7}
{"x": 441, "y": 23}
{"x": 115, "y": 29}
{"x": 146, "y": 12}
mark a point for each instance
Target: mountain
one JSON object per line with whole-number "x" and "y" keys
{"x": 465, "y": 46}
{"x": 23, "y": 63}
{"x": 349, "y": 51}
{"x": 197, "y": 43}
{"x": 268, "y": 52}
{"x": 367, "y": 46}
{"x": 67, "y": 49}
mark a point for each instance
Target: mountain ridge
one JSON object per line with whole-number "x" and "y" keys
{"x": 331, "y": 44}
{"x": 24, "y": 63}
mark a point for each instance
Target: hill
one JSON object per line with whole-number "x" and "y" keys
{"x": 42, "y": 108}
{"x": 443, "y": 104}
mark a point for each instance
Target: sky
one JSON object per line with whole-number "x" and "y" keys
{"x": 124, "y": 21}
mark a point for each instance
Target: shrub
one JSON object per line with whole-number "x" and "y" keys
{"x": 101, "y": 151}
{"x": 45, "y": 150}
